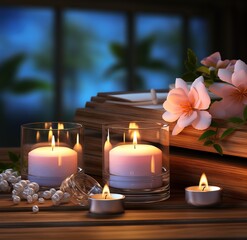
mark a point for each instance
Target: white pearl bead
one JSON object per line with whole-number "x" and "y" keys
{"x": 35, "y": 186}
{"x": 23, "y": 183}
{"x": 35, "y": 197}
{"x": 53, "y": 191}
{"x": 46, "y": 194}
{"x": 41, "y": 200}
{"x": 35, "y": 208}
{"x": 18, "y": 187}
{"x": 66, "y": 197}
{"x": 16, "y": 199}
{"x": 29, "y": 199}
{"x": 12, "y": 179}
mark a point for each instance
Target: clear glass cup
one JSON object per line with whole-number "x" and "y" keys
{"x": 80, "y": 186}
{"x": 50, "y": 151}
{"x": 136, "y": 160}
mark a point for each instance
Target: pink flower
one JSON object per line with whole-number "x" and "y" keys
{"x": 187, "y": 107}
{"x": 233, "y": 92}
{"x": 214, "y": 61}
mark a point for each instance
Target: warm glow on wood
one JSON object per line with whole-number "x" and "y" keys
{"x": 203, "y": 184}
{"x": 133, "y": 129}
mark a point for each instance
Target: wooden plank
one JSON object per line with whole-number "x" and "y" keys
{"x": 161, "y": 231}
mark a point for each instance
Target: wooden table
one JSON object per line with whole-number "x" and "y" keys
{"x": 170, "y": 219}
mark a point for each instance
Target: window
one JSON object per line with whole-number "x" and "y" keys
{"x": 93, "y": 47}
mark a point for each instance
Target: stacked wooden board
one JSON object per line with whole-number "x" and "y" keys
{"x": 189, "y": 158}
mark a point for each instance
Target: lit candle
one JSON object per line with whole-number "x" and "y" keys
{"x": 78, "y": 149}
{"x": 106, "y": 202}
{"x": 50, "y": 165}
{"x": 107, "y": 148}
{"x": 135, "y": 166}
{"x": 203, "y": 195}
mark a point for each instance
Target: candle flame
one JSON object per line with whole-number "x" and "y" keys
{"x": 152, "y": 165}
{"x": 60, "y": 126}
{"x": 77, "y": 139}
{"x": 135, "y": 139}
{"x": 203, "y": 184}
{"x": 37, "y": 136}
{"x": 53, "y": 142}
{"x": 106, "y": 192}
{"x": 50, "y": 134}
{"x": 133, "y": 128}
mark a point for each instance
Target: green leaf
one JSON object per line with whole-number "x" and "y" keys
{"x": 245, "y": 113}
{"x": 208, "y": 143}
{"x": 218, "y": 148}
{"x": 236, "y": 120}
{"x": 192, "y": 59}
{"x": 203, "y": 69}
{"x": 207, "y": 134}
{"x": 9, "y": 69}
{"x": 28, "y": 85}
{"x": 227, "y": 132}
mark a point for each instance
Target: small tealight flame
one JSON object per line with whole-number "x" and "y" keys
{"x": 53, "y": 142}
{"x": 106, "y": 192}
{"x": 203, "y": 184}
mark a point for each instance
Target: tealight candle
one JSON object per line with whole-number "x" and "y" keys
{"x": 203, "y": 195}
{"x": 106, "y": 203}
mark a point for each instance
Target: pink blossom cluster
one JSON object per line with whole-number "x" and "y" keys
{"x": 193, "y": 106}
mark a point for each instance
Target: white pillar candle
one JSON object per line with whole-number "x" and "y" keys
{"x": 135, "y": 166}
{"x": 49, "y": 166}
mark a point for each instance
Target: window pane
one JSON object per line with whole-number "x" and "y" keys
{"x": 160, "y": 37}
{"x": 88, "y": 37}
{"x": 23, "y": 35}
{"x": 199, "y": 37}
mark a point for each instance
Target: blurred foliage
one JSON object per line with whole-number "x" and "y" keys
{"x": 193, "y": 70}
{"x": 143, "y": 60}
{"x": 14, "y": 162}
{"x": 9, "y": 80}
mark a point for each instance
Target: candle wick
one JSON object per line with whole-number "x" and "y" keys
{"x": 134, "y": 146}
{"x": 105, "y": 195}
{"x": 203, "y": 187}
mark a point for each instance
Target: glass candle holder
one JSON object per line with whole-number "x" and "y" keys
{"x": 50, "y": 151}
{"x": 80, "y": 186}
{"x": 136, "y": 160}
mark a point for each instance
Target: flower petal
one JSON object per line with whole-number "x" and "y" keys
{"x": 176, "y": 130}
{"x": 240, "y": 65}
{"x": 200, "y": 94}
{"x": 202, "y": 121}
{"x": 211, "y": 60}
{"x": 222, "y": 89}
{"x": 225, "y": 75}
{"x": 239, "y": 78}
{"x": 170, "y": 117}
{"x": 226, "y": 108}
{"x": 180, "y": 83}
{"x": 186, "y": 119}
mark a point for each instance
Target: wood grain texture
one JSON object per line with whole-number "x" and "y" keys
{"x": 171, "y": 219}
